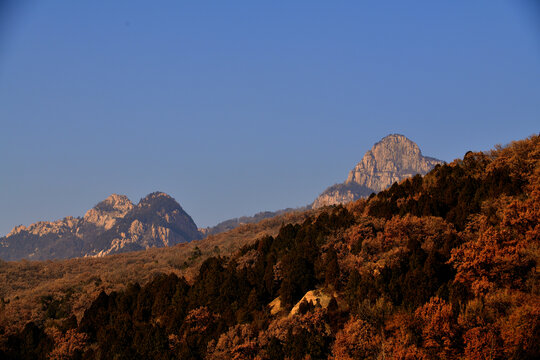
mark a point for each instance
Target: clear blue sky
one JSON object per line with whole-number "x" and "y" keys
{"x": 234, "y": 107}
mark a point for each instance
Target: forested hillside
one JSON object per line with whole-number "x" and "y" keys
{"x": 37, "y": 290}
{"x": 443, "y": 266}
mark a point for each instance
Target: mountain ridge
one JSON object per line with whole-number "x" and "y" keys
{"x": 113, "y": 225}
{"x": 117, "y": 225}
{"x": 233, "y": 223}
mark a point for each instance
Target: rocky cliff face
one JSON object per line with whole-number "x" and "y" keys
{"x": 114, "y": 225}
{"x": 392, "y": 159}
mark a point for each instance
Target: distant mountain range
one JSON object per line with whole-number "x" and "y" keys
{"x": 114, "y": 225}
{"x": 235, "y": 222}
{"x": 391, "y": 160}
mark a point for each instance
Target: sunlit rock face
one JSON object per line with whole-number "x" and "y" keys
{"x": 108, "y": 211}
{"x": 114, "y": 225}
{"x": 391, "y": 160}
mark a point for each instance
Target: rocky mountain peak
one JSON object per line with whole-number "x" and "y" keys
{"x": 105, "y": 213}
{"x": 395, "y": 148}
{"x": 114, "y": 225}
{"x": 16, "y": 230}
{"x": 157, "y": 198}
{"x": 392, "y": 159}
{"x": 159, "y": 202}
{"x": 118, "y": 201}
{"x": 157, "y": 195}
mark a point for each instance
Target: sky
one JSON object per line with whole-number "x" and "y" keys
{"x": 236, "y": 107}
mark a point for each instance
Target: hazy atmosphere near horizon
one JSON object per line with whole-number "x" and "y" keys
{"x": 236, "y": 107}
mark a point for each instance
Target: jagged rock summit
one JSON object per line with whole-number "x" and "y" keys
{"x": 108, "y": 211}
{"x": 392, "y": 159}
{"x": 112, "y": 226}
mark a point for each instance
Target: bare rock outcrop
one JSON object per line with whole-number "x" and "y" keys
{"x": 391, "y": 160}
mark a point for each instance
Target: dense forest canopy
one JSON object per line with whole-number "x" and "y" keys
{"x": 443, "y": 266}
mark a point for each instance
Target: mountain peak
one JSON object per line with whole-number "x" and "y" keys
{"x": 159, "y": 199}
{"x": 157, "y": 195}
{"x": 392, "y": 159}
{"x": 114, "y": 225}
{"x": 106, "y": 212}
{"x": 115, "y": 202}
{"x": 117, "y": 198}
{"x": 396, "y": 141}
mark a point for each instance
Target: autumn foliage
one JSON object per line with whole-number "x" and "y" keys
{"x": 443, "y": 266}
